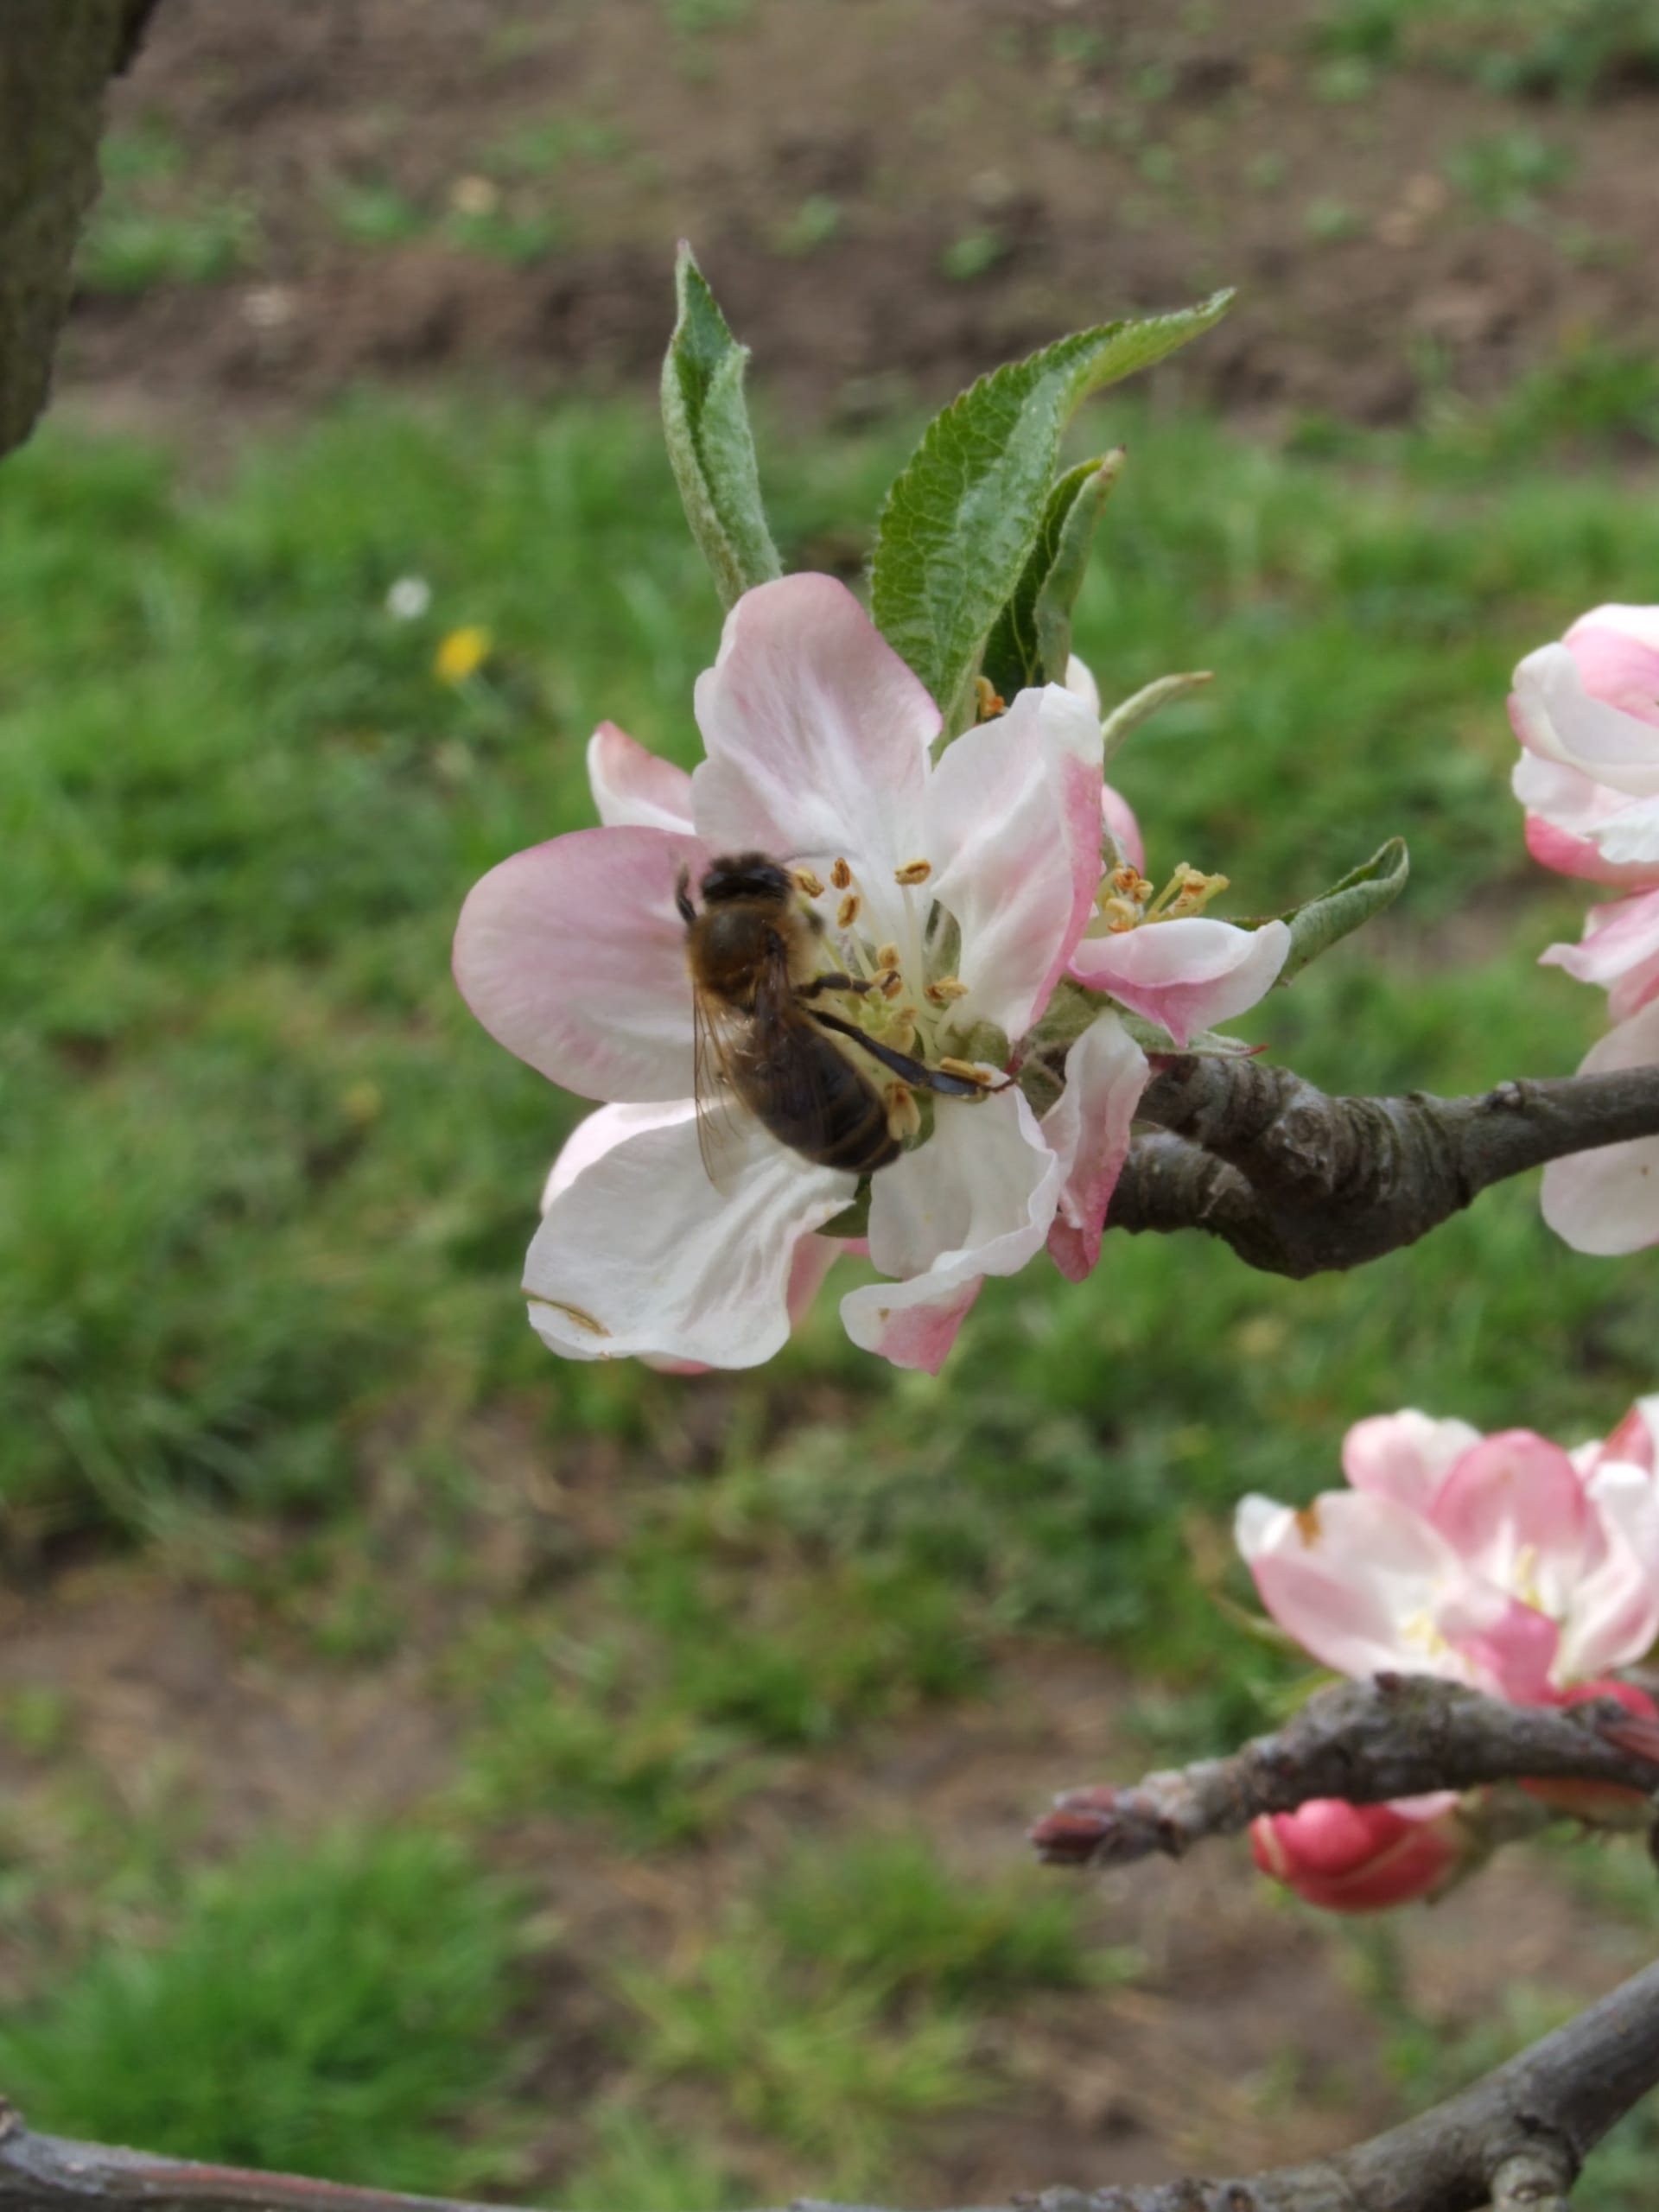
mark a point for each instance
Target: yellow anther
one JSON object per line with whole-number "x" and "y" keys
{"x": 989, "y": 700}
{"x": 841, "y": 876}
{"x": 947, "y": 988}
{"x": 1125, "y": 879}
{"x": 901, "y": 1032}
{"x": 847, "y": 912}
{"x": 1119, "y": 914}
{"x": 913, "y": 872}
{"x": 810, "y": 884}
{"x": 968, "y": 1073}
{"x": 889, "y": 982}
{"x": 888, "y": 956}
{"x": 904, "y": 1115}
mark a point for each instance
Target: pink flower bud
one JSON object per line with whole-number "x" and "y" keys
{"x": 1358, "y": 1857}
{"x": 1599, "y": 1803}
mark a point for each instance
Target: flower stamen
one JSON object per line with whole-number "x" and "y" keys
{"x": 847, "y": 912}
{"x": 810, "y": 885}
{"x": 946, "y": 988}
{"x": 904, "y": 1115}
{"x": 912, "y": 872}
{"x": 841, "y": 876}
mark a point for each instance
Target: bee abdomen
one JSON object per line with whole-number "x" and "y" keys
{"x": 841, "y": 1122}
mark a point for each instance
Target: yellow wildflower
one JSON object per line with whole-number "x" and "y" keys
{"x": 462, "y": 654}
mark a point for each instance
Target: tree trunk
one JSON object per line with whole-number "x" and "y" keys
{"x": 56, "y": 57}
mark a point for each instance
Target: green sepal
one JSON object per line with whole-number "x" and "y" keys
{"x": 961, "y": 519}
{"x": 853, "y": 1220}
{"x": 1031, "y": 640}
{"x": 1146, "y": 701}
{"x": 709, "y": 443}
{"x": 1361, "y": 894}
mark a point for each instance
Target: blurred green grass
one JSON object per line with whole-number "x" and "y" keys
{"x": 264, "y": 1176}
{"x": 267, "y": 1188}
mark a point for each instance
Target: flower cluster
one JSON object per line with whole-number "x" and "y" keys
{"x": 950, "y": 891}
{"x": 1502, "y": 1561}
{"x": 1586, "y": 712}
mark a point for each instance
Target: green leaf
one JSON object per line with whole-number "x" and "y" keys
{"x": 709, "y": 443}
{"x": 962, "y": 520}
{"x": 1031, "y": 640}
{"x": 1363, "y": 894}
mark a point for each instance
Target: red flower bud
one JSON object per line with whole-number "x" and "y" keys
{"x": 1356, "y": 1858}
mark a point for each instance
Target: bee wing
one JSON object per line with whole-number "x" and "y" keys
{"x": 717, "y": 1032}
{"x": 770, "y": 1050}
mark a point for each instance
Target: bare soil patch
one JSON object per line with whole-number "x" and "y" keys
{"x": 889, "y": 194}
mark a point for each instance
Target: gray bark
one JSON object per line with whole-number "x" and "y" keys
{"x": 56, "y": 57}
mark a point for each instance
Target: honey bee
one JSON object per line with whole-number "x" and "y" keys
{"x": 753, "y": 952}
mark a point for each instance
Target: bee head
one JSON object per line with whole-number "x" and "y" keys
{"x": 746, "y": 875}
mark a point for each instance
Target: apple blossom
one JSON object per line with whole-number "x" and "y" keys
{"x": 1587, "y": 713}
{"x": 1496, "y": 1560}
{"x": 1360, "y": 1858}
{"x": 969, "y": 877}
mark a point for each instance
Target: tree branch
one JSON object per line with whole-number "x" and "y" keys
{"x": 1299, "y": 1183}
{"x": 1394, "y": 1736}
{"x": 56, "y": 57}
{"x": 1526, "y": 2128}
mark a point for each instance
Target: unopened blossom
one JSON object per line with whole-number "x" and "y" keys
{"x": 1586, "y": 712}
{"x": 964, "y": 882}
{"x": 1360, "y": 1858}
{"x": 1496, "y": 1560}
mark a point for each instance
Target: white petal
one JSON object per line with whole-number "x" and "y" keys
{"x": 1405, "y": 1456}
{"x": 601, "y": 1132}
{"x": 634, "y": 788}
{"x": 1607, "y": 1201}
{"x": 1012, "y": 825}
{"x": 640, "y": 1254}
{"x": 1631, "y": 837}
{"x": 1557, "y": 717}
{"x": 976, "y": 1200}
{"x": 818, "y": 736}
{"x": 1614, "y": 1612}
{"x": 1080, "y": 682}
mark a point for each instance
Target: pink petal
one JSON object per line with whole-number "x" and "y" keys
{"x": 1607, "y": 1201}
{"x": 1634, "y": 1443}
{"x": 1514, "y": 1510}
{"x": 1516, "y": 1655}
{"x": 573, "y": 955}
{"x": 1011, "y": 822}
{"x": 1122, "y": 827}
{"x": 639, "y": 1253}
{"x": 1616, "y": 649}
{"x": 818, "y": 736}
{"x": 1089, "y": 1128}
{"x": 601, "y": 1131}
{"x": 1556, "y": 717}
{"x": 976, "y": 1200}
{"x": 634, "y": 789}
{"x": 1620, "y": 951}
{"x": 1363, "y": 1584}
{"x": 1405, "y": 1456}
{"x": 1186, "y": 974}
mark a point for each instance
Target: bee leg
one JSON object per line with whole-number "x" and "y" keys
{"x": 833, "y": 983}
{"x": 683, "y": 897}
{"x": 913, "y": 1072}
